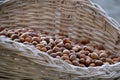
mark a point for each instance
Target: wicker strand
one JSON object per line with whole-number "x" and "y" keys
{"x": 76, "y": 18}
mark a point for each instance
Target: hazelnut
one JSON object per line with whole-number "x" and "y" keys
{"x": 99, "y": 47}
{"x": 66, "y": 52}
{"x": 93, "y": 60}
{"x": 98, "y": 63}
{"x": 56, "y": 49}
{"x": 94, "y": 55}
{"x": 60, "y": 44}
{"x": 60, "y": 34}
{"x": 36, "y": 39}
{"x": 57, "y": 41}
{"x": 97, "y": 51}
{"x": 48, "y": 47}
{"x": 72, "y": 57}
{"x": 72, "y": 54}
{"x": 82, "y": 60}
{"x": 81, "y": 55}
{"x": 66, "y": 40}
{"x": 20, "y": 33}
{"x": 51, "y": 40}
{"x": 30, "y": 29}
{"x": 44, "y": 49}
{"x": 108, "y": 53}
{"x": 33, "y": 34}
{"x": 75, "y": 62}
{"x": 110, "y": 61}
{"x": 40, "y": 45}
{"x": 88, "y": 61}
{"x": 115, "y": 62}
{"x": 77, "y": 48}
{"x": 65, "y": 57}
{"x": 47, "y": 39}
{"x": 14, "y": 36}
{"x": 24, "y": 30}
{"x": 26, "y": 42}
{"x": 84, "y": 52}
{"x": 106, "y": 63}
{"x": 68, "y": 46}
{"x": 88, "y": 57}
{"x": 92, "y": 65}
{"x": 62, "y": 49}
{"x": 77, "y": 59}
{"x": 44, "y": 42}
{"x": 116, "y": 59}
{"x": 28, "y": 39}
{"x": 24, "y": 35}
{"x": 9, "y": 33}
{"x": 103, "y": 55}
{"x": 1, "y": 29}
{"x": 103, "y": 59}
{"x": 58, "y": 57}
{"x": 91, "y": 45}
{"x": 114, "y": 56}
{"x": 59, "y": 54}
{"x": 85, "y": 41}
{"x": 49, "y": 51}
{"x": 88, "y": 48}
{"x": 34, "y": 42}
{"x": 52, "y": 44}
{"x": 18, "y": 30}
{"x": 72, "y": 51}
{"x": 102, "y": 51}
{"x": 21, "y": 39}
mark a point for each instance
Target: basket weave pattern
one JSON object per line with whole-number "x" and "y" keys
{"x": 76, "y": 18}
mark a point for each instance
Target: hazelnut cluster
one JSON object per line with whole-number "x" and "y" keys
{"x": 81, "y": 53}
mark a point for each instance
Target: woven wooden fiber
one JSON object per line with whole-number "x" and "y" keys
{"x": 76, "y": 18}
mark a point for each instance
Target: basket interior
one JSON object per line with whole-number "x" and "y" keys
{"x": 77, "y": 19}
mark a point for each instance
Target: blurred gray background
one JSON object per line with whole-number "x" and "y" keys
{"x": 112, "y": 7}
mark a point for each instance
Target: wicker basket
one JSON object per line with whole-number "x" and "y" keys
{"x": 76, "y": 18}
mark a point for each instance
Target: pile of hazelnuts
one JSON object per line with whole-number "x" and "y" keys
{"x": 81, "y": 53}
